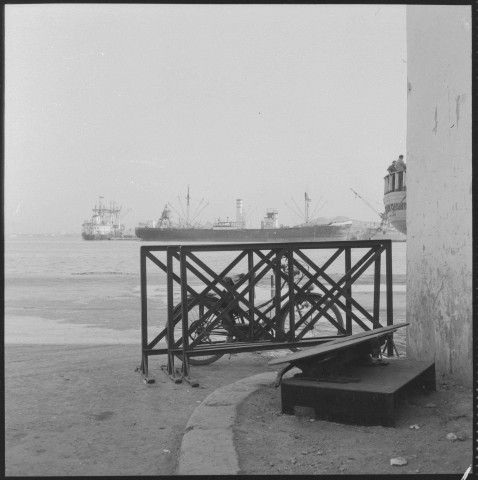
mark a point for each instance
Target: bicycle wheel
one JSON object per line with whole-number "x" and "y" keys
{"x": 316, "y": 324}
{"x": 200, "y": 318}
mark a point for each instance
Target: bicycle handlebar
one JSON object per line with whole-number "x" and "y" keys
{"x": 233, "y": 279}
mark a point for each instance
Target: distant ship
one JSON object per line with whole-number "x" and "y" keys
{"x": 105, "y": 224}
{"x": 395, "y": 195}
{"x": 236, "y": 231}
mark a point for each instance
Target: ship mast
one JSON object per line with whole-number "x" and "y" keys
{"x": 187, "y": 209}
{"x": 304, "y": 214}
{"x": 307, "y": 200}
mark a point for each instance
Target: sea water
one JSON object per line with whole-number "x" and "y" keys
{"x": 64, "y": 290}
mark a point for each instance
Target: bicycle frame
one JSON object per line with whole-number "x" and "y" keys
{"x": 239, "y": 313}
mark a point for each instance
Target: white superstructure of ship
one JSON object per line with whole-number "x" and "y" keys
{"x": 105, "y": 223}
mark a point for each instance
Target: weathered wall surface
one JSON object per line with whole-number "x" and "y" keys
{"x": 439, "y": 202}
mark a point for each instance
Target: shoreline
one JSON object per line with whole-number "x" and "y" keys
{"x": 96, "y": 312}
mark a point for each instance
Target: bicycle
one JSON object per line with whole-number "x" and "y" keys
{"x": 234, "y": 325}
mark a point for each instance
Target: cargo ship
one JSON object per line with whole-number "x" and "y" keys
{"x": 395, "y": 195}
{"x": 236, "y": 231}
{"x": 105, "y": 223}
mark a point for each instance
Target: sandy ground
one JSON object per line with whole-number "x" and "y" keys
{"x": 271, "y": 443}
{"x": 83, "y": 410}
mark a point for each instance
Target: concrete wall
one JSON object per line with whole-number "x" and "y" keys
{"x": 439, "y": 228}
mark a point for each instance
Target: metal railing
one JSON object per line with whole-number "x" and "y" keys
{"x": 193, "y": 277}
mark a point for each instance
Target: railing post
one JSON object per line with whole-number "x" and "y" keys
{"x": 277, "y": 273}
{"x": 348, "y": 291}
{"x": 388, "y": 259}
{"x": 184, "y": 310}
{"x": 250, "y": 266}
{"x": 290, "y": 268}
{"x": 170, "y": 304}
{"x": 376, "y": 291}
{"x": 144, "y": 313}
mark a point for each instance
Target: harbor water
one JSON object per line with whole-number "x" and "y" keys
{"x": 64, "y": 290}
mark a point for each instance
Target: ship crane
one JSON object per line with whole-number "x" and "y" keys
{"x": 383, "y": 216}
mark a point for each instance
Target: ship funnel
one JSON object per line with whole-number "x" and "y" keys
{"x": 239, "y": 214}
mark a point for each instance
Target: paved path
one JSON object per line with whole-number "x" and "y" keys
{"x": 207, "y": 447}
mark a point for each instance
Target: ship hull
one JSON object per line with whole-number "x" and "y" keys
{"x": 312, "y": 233}
{"x": 396, "y": 210}
{"x": 394, "y": 235}
{"x": 92, "y": 236}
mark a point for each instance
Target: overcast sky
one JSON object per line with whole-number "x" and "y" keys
{"x": 136, "y": 102}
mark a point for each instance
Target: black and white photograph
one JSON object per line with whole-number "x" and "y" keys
{"x": 238, "y": 239}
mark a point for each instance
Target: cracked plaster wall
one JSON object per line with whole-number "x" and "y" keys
{"x": 439, "y": 201}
